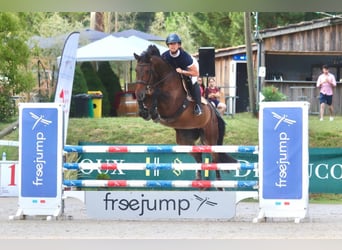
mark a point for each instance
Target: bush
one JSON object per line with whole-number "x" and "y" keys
{"x": 111, "y": 82}
{"x": 7, "y": 107}
{"x": 80, "y": 83}
{"x": 272, "y": 94}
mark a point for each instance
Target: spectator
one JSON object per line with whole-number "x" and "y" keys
{"x": 200, "y": 83}
{"x": 326, "y": 82}
{"x": 212, "y": 93}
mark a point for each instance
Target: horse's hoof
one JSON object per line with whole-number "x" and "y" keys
{"x": 145, "y": 115}
{"x": 154, "y": 115}
{"x": 155, "y": 118}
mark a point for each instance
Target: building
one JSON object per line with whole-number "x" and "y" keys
{"x": 292, "y": 56}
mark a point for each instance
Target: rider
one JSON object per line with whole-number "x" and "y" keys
{"x": 186, "y": 65}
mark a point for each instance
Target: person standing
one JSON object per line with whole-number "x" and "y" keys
{"x": 185, "y": 65}
{"x": 326, "y": 82}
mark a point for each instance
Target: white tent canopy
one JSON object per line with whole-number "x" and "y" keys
{"x": 113, "y": 48}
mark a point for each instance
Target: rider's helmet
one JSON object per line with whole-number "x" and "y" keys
{"x": 173, "y": 38}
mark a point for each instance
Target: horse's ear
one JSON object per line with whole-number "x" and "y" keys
{"x": 136, "y": 57}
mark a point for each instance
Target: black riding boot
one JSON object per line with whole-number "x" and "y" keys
{"x": 196, "y": 94}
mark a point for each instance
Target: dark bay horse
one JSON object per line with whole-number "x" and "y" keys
{"x": 163, "y": 98}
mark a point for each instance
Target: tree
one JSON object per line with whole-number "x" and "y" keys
{"x": 275, "y": 19}
{"x": 212, "y": 29}
{"x": 15, "y": 76}
{"x": 203, "y": 29}
{"x": 180, "y": 22}
{"x": 132, "y": 20}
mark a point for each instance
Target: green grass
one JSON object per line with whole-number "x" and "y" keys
{"x": 242, "y": 129}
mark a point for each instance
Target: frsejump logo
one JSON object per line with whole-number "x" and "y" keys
{"x": 283, "y": 161}
{"x": 204, "y": 201}
{"x": 143, "y": 205}
{"x": 39, "y": 119}
{"x": 282, "y": 119}
{"x": 39, "y": 159}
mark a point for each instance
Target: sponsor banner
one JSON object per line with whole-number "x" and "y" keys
{"x": 325, "y": 170}
{"x": 283, "y": 160}
{"x": 40, "y": 151}
{"x": 282, "y": 153}
{"x": 8, "y": 178}
{"x": 65, "y": 78}
{"x": 154, "y": 205}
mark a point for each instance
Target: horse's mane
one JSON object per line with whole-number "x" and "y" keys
{"x": 152, "y": 50}
{"x": 146, "y": 55}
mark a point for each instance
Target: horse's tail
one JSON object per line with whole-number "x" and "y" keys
{"x": 223, "y": 157}
{"x": 221, "y": 128}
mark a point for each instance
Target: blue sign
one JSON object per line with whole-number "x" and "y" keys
{"x": 39, "y": 152}
{"x": 240, "y": 57}
{"x": 282, "y": 157}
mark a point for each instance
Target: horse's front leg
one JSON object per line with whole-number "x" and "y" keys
{"x": 143, "y": 112}
{"x": 154, "y": 107}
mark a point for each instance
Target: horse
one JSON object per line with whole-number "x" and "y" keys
{"x": 163, "y": 97}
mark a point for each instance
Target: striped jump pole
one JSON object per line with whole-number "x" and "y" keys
{"x": 161, "y": 184}
{"x": 160, "y": 166}
{"x": 161, "y": 149}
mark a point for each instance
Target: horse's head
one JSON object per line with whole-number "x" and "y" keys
{"x": 145, "y": 73}
{"x": 144, "y": 80}
{"x": 153, "y": 74}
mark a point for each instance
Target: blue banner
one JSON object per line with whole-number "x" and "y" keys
{"x": 39, "y": 152}
{"x": 282, "y": 157}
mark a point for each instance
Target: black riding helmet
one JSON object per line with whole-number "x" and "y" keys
{"x": 173, "y": 38}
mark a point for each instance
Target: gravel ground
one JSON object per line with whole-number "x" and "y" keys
{"x": 323, "y": 222}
